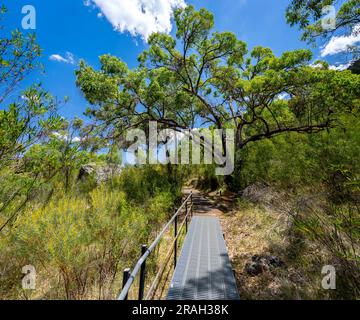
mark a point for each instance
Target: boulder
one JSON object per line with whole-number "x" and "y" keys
{"x": 101, "y": 173}
{"x": 262, "y": 263}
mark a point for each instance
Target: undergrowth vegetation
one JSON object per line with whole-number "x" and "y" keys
{"x": 80, "y": 243}
{"x": 300, "y": 201}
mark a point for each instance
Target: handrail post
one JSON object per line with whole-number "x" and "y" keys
{"x": 175, "y": 242}
{"x": 126, "y": 276}
{"x": 186, "y": 217}
{"x": 142, "y": 274}
{"x": 192, "y": 203}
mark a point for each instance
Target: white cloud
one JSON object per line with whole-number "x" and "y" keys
{"x": 337, "y": 66}
{"x": 57, "y": 57}
{"x": 340, "y": 67}
{"x": 69, "y": 58}
{"x": 65, "y": 137}
{"x": 316, "y": 65}
{"x": 138, "y": 17}
{"x": 339, "y": 44}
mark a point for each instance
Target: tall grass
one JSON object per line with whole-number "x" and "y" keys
{"x": 79, "y": 243}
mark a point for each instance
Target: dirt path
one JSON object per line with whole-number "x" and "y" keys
{"x": 203, "y": 205}
{"x": 216, "y": 205}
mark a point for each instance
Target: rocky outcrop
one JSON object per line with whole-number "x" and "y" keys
{"x": 262, "y": 263}
{"x": 101, "y": 173}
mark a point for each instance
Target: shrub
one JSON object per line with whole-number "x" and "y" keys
{"x": 79, "y": 243}
{"x": 336, "y": 230}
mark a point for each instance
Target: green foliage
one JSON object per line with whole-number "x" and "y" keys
{"x": 18, "y": 57}
{"x": 87, "y": 240}
{"x": 23, "y": 123}
{"x": 80, "y": 234}
{"x": 293, "y": 160}
{"x": 26, "y": 122}
{"x": 206, "y": 178}
{"x": 42, "y": 155}
{"x": 144, "y": 183}
{"x": 307, "y": 15}
{"x": 208, "y": 78}
{"x": 325, "y": 165}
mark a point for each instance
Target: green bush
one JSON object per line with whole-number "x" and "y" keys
{"x": 79, "y": 244}
{"x": 336, "y": 231}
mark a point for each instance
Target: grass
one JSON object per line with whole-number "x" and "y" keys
{"x": 253, "y": 229}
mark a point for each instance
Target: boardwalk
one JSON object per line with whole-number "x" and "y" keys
{"x": 203, "y": 271}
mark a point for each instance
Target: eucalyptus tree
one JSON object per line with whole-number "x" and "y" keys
{"x": 26, "y": 119}
{"x": 206, "y": 78}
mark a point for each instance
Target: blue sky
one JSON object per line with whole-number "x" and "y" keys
{"x": 86, "y": 31}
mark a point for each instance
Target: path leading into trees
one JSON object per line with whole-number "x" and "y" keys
{"x": 204, "y": 206}
{"x": 203, "y": 271}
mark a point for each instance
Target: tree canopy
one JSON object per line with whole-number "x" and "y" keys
{"x": 307, "y": 15}
{"x": 18, "y": 57}
{"x": 203, "y": 77}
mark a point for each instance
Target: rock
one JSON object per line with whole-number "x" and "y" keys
{"x": 275, "y": 262}
{"x": 100, "y": 173}
{"x": 262, "y": 263}
{"x": 107, "y": 172}
{"x": 87, "y": 170}
{"x": 254, "y": 268}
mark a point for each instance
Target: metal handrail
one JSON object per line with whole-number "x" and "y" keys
{"x": 131, "y": 278}
{"x": 153, "y": 287}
